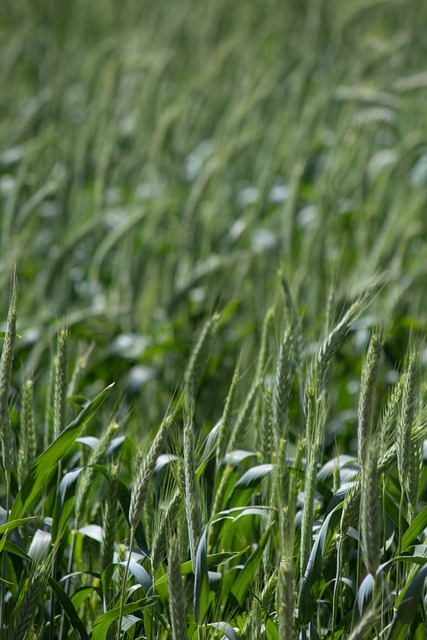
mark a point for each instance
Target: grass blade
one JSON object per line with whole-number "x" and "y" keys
{"x": 45, "y": 465}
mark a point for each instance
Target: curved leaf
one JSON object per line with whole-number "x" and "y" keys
{"x": 253, "y": 477}
{"x": 241, "y": 585}
{"x": 69, "y": 609}
{"x": 409, "y": 601}
{"x": 201, "y": 581}
{"x": 226, "y": 628}
{"x": 415, "y": 529}
{"x": 313, "y": 573}
{"x": 101, "y": 626}
{"x": 140, "y": 574}
{"x": 42, "y": 469}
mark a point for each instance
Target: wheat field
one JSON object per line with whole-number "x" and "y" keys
{"x": 213, "y": 408}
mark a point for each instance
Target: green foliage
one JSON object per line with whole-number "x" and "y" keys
{"x": 224, "y": 204}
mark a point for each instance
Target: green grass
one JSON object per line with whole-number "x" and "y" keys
{"x": 221, "y": 202}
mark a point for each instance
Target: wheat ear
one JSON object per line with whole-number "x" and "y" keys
{"x": 226, "y": 416}
{"x": 6, "y": 362}
{"x": 267, "y": 433}
{"x": 315, "y": 438}
{"x": 414, "y": 475}
{"x": 370, "y": 524}
{"x": 406, "y": 419}
{"x": 146, "y": 468}
{"x": 27, "y": 450}
{"x": 61, "y": 384}
{"x": 194, "y": 520}
{"x": 282, "y": 384}
{"x": 244, "y": 417}
{"x": 88, "y": 474}
{"x": 262, "y": 356}
{"x": 158, "y": 547}
{"x": 199, "y": 357}
{"x": 388, "y": 422}
{"x": 28, "y": 606}
{"x": 335, "y": 337}
{"x": 367, "y": 388}
{"x": 139, "y": 495}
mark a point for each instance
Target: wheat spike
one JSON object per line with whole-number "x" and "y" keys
{"x": 61, "y": 384}
{"x": 158, "y": 547}
{"x": 194, "y": 520}
{"x": 262, "y": 356}
{"x": 335, "y": 337}
{"x": 6, "y": 362}
{"x": 389, "y": 419}
{"x": 406, "y": 419}
{"x": 315, "y": 437}
{"x": 226, "y": 416}
{"x": 48, "y": 422}
{"x": 367, "y": 388}
{"x": 146, "y": 468}
{"x": 28, "y": 605}
{"x": 199, "y": 357}
{"x": 282, "y": 384}
{"x": 267, "y": 433}
{"x": 244, "y": 417}
{"x": 414, "y": 475}
{"x": 27, "y": 450}
{"x": 370, "y": 525}
{"x": 88, "y": 474}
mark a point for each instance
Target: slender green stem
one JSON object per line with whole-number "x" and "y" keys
{"x": 337, "y": 585}
{"x": 4, "y": 559}
{"x": 399, "y": 547}
{"x": 125, "y": 577}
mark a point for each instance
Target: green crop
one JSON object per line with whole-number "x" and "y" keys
{"x": 212, "y": 379}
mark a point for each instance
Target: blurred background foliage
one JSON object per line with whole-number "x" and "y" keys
{"x": 160, "y": 161}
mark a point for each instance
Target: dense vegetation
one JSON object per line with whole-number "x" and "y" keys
{"x": 213, "y": 257}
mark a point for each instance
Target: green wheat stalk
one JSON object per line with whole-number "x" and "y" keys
{"x": 28, "y": 439}
{"x": 61, "y": 384}
{"x": 263, "y": 352}
{"x": 286, "y": 599}
{"x": 6, "y": 362}
{"x": 330, "y": 345}
{"x": 243, "y": 418}
{"x": 87, "y": 476}
{"x": 139, "y": 494}
{"x": 282, "y": 384}
{"x": 6, "y": 438}
{"x": 225, "y": 421}
{"x": 366, "y": 398}
{"x": 370, "y": 525}
{"x": 27, "y": 607}
{"x": 194, "y": 519}
{"x": 316, "y": 419}
{"x": 176, "y": 593}
{"x": 200, "y": 356}
{"x": 110, "y": 521}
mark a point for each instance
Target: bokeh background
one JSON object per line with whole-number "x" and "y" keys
{"x": 161, "y": 161}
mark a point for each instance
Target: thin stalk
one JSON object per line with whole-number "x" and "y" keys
{"x": 3, "y": 563}
{"x": 125, "y": 577}
{"x": 337, "y": 585}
